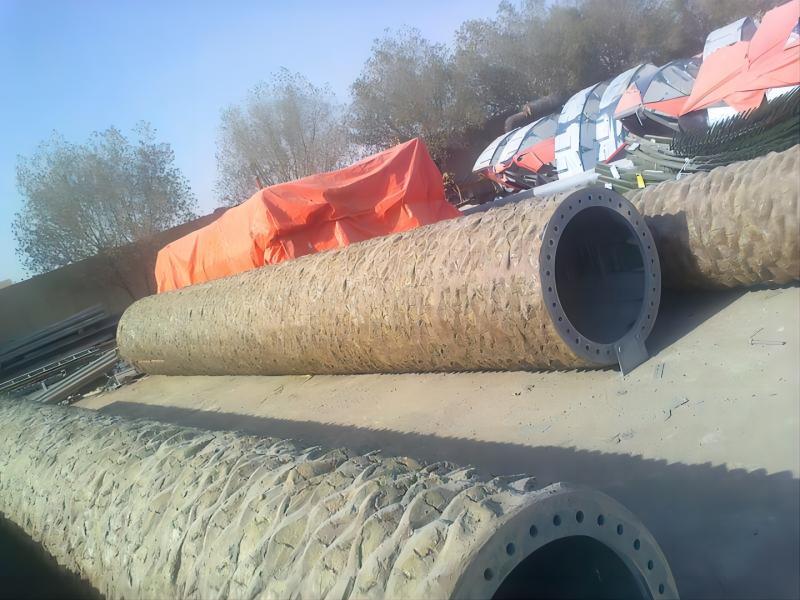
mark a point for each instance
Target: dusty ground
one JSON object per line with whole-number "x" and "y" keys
{"x": 702, "y": 442}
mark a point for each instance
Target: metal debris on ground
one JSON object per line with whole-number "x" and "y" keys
{"x": 680, "y": 403}
{"x": 758, "y": 342}
{"x": 659, "y": 374}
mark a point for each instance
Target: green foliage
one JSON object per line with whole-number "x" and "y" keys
{"x": 409, "y": 89}
{"x": 771, "y": 127}
{"x": 287, "y": 128}
{"x": 80, "y": 200}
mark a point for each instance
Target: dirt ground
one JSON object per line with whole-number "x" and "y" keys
{"x": 702, "y": 442}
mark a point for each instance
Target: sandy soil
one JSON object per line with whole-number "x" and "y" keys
{"x": 702, "y": 442}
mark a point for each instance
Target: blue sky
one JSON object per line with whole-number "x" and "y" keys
{"x": 83, "y": 65}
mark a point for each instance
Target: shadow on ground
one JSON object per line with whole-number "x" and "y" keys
{"x": 727, "y": 533}
{"x": 681, "y": 312}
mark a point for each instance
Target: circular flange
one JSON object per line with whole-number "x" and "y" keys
{"x": 601, "y": 354}
{"x": 568, "y": 511}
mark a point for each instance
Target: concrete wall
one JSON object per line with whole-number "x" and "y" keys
{"x": 43, "y": 299}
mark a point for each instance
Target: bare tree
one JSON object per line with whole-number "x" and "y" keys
{"x": 287, "y": 128}
{"x": 408, "y": 88}
{"x": 106, "y": 197}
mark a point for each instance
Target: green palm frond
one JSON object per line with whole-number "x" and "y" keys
{"x": 773, "y": 126}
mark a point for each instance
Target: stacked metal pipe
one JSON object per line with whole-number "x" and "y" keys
{"x": 150, "y": 510}
{"x": 473, "y": 293}
{"x": 736, "y": 225}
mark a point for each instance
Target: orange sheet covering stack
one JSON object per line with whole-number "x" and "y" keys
{"x": 395, "y": 190}
{"x": 740, "y": 74}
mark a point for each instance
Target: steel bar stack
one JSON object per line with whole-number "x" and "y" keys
{"x": 60, "y": 356}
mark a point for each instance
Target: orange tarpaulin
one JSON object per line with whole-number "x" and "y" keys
{"x": 740, "y": 74}
{"x": 395, "y": 190}
{"x": 538, "y": 155}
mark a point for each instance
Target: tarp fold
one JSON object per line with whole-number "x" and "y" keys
{"x": 395, "y": 190}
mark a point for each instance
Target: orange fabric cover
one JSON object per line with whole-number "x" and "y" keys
{"x": 671, "y": 107}
{"x": 540, "y": 154}
{"x": 629, "y": 103}
{"x": 395, "y": 190}
{"x": 740, "y": 74}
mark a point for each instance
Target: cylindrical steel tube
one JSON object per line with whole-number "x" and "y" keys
{"x": 541, "y": 284}
{"x": 150, "y": 510}
{"x": 734, "y": 226}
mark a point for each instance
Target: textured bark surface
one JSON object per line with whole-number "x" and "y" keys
{"x": 733, "y": 226}
{"x": 148, "y": 510}
{"x": 463, "y": 294}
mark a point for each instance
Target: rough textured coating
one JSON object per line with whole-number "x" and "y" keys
{"x": 147, "y": 510}
{"x": 463, "y": 294}
{"x": 734, "y": 226}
